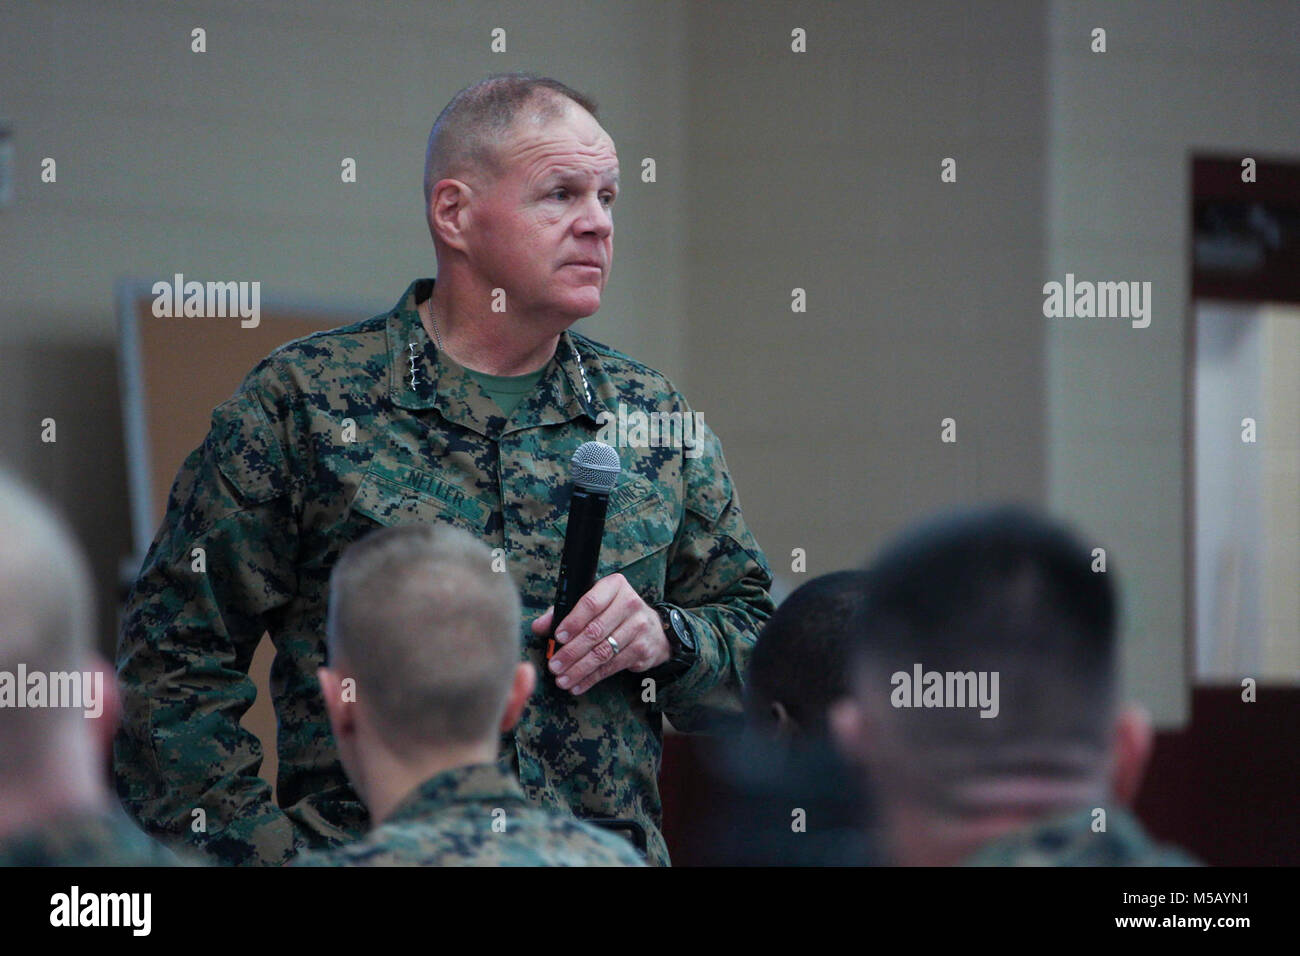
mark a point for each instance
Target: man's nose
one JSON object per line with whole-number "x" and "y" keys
{"x": 595, "y": 217}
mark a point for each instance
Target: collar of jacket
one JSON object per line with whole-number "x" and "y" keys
{"x": 476, "y": 783}
{"x": 443, "y": 385}
{"x": 1068, "y": 838}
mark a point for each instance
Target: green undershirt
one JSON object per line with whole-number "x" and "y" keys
{"x": 507, "y": 390}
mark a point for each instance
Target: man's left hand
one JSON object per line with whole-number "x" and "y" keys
{"x": 611, "y": 609}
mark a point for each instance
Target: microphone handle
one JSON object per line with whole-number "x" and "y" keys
{"x": 581, "y": 554}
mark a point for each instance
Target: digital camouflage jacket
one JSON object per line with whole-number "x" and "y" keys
{"x": 86, "y": 838}
{"x": 1070, "y": 840}
{"x": 477, "y": 816}
{"x": 345, "y": 430}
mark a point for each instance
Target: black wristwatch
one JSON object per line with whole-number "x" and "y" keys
{"x": 680, "y": 640}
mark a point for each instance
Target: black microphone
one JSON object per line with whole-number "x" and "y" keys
{"x": 595, "y": 472}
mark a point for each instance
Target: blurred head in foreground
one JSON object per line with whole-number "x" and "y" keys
{"x": 983, "y": 689}
{"x": 424, "y": 655}
{"x": 799, "y": 665}
{"x": 780, "y": 794}
{"x": 57, "y": 699}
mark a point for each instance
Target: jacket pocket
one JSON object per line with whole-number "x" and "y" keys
{"x": 391, "y": 494}
{"x": 639, "y": 532}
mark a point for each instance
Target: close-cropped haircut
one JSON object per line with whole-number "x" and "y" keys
{"x": 469, "y": 132}
{"x": 996, "y": 589}
{"x": 429, "y": 631}
{"x": 801, "y": 657}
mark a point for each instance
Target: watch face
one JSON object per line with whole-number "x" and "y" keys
{"x": 681, "y": 630}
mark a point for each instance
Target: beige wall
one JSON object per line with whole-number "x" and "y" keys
{"x": 1177, "y": 78}
{"x": 822, "y": 172}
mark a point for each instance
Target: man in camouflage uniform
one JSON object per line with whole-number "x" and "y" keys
{"x": 55, "y": 806}
{"x": 462, "y": 404}
{"x": 423, "y": 641}
{"x": 1042, "y": 779}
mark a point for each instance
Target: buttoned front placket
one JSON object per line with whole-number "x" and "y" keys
{"x": 523, "y": 460}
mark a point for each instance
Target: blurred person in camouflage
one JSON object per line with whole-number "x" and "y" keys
{"x": 1035, "y": 773}
{"x": 781, "y": 795}
{"x": 55, "y": 805}
{"x": 799, "y": 666}
{"x": 424, "y": 669}
{"x": 463, "y": 403}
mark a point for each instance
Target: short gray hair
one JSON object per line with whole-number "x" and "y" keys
{"x": 469, "y": 132}
{"x": 429, "y": 631}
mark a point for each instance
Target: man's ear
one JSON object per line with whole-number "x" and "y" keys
{"x": 787, "y": 728}
{"x": 1130, "y": 751}
{"x": 342, "y": 714}
{"x": 521, "y": 688}
{"x": 849, "y": 730}
{"x": 110, "y": 710}
{"x": 449, "y": 212}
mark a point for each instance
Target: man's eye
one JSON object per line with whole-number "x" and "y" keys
{"x": 556, "y": 192}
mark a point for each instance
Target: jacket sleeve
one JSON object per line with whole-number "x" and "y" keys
{"x": 719, "y": 577}
{"x": 221, "y": 565}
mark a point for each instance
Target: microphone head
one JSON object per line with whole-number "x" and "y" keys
{"x": 596, "y": 467}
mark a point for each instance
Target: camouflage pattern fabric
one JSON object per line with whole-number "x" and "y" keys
{"x": 1070, "y": 841}
{"x": 90, "y": 838}
{"x": 346, "y": 430}
{"x": 477, "y": 816}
